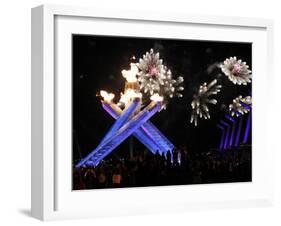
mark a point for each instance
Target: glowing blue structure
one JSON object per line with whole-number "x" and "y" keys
{"x": 231, "y": 131}
{"x": 147, "y": 134}
{"x": 225, "y": 145}
{"x": 142, "y": 137}
{"x": 248, "y": 125}
{"x": 237, "y": 139}
{"x": 222, "y": 136}
{"x": 129, "y": 122}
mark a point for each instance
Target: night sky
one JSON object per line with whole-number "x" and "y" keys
{"x": 97, "y": 65}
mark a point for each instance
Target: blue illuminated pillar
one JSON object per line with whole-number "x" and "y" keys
{"x": 122, "y": 119}
{"x": 140, "y": 135}
{"x": 146, "y": 130}
{"x": 238, "y": 132}
{"x": 167, "y": 145}
{"x": 247, "y": 130}
{"x": 222, "y": 136}
{"x": 227, "y": 134}
{"x": 116, "y": 126}
{"x": 232, "y": 120}
{"x": 124, "y": 132}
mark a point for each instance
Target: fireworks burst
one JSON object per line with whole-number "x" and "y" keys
{"x": 240, "y": 105}
{"x": 155, "y": 78}
{"x": 236, "y": 71}
{"x": 201, "y": 100}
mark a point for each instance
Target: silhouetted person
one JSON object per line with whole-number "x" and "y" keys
{"x": 116, "y": 177}
{"x": 168, "y": 156}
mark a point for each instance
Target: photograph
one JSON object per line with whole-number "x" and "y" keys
{"x": 160, "y": 112}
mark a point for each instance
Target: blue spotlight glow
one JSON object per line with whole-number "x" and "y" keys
{"x": 119, "y": 132}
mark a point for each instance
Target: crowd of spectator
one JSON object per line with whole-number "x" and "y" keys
{"x": 177, "y": 168}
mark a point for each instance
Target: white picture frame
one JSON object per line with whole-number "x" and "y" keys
{"x": 52, "y": 197}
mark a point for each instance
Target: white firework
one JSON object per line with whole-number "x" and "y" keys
{"x": 240, "y": 105}
{"x": 237, "y": 71}
{"x": 171, "y": 87}
{"x": 201, "y": 100}
{"x": 152, "y": 72}
{"x": 155, "y": 78}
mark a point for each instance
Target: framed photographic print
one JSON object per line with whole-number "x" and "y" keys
{"x": 145, "y": 112}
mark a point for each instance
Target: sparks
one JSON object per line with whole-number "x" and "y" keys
{"x": 240, "y": 105}
{"x": 155, "y": 97}
{"x": 201, "y": 100}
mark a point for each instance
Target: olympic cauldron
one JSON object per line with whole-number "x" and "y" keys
{"x": 131, "y": 119}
